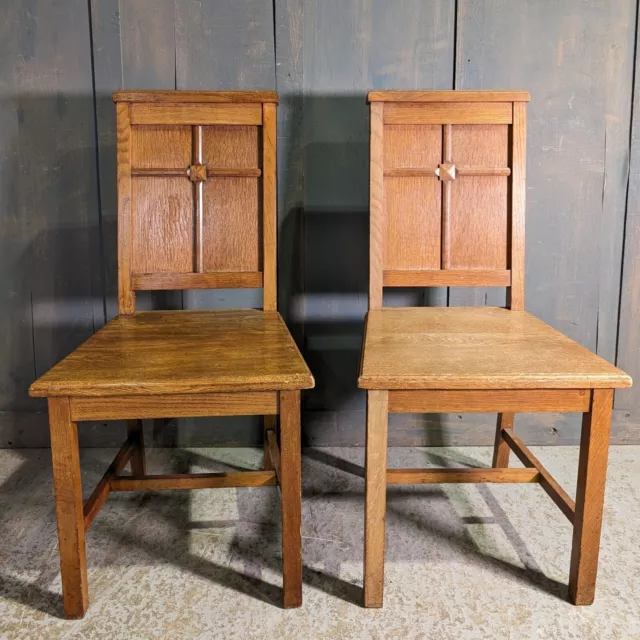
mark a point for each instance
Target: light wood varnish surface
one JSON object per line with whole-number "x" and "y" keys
{"x": 181, "y": 352}
{"x": 448, "y": 96}
{"x": 476, "y": 348}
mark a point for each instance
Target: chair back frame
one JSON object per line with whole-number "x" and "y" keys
{"x": 196, "y": 174}
{"x": 447, "y": 190}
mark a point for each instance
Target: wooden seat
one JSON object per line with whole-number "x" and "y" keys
{"x": 196, "y": 210}
{"x": 447, "y": 199}
{"x": 160, "y": 352}
{"x": 476, "y": 348}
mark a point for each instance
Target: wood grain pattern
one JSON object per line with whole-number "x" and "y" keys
{"x": 478, "y": 223}
{"x": 448, "y": 96}
{"x": 479, "y": 204}
{"x": 159, "y": 352}
{"x": 215, "y": 97}
{"x": 291, "y": 498}
{"x": 442, "y": 278}
{"x": 412, "y": 223}
{"x": 156, "y": 147}
{"x": 67, "y": 483}
{"x": 445, "y": 113}
{"x": 515, "y": 294}
{"x": 231, "y": 219}
{"x": 231, "y": 147}
{"x": 162, "y": 225}
{"x": 269, "y": 209}
{"x": 487, "y": 401}
{"x": 170, "y": 405}
{"x": 230, "y": 228}
{"x": 483, "y": 145}
{"x": 592, "y": 475}
{"x": 375, "y": 497}
{"x": 190, "y": 114}
{"x": 476, "y": 348}
{"x": 184, "y": 482}
{"x": 412, "y": 146}
{"x": 126, "y": 296}
{"x": 376, "y": 206}
{"x": 221, "y": 280}
{"x": 456, "y": 476}
{"x": 547, "y": 481}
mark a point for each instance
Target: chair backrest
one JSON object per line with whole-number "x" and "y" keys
{"x": 196, "y": 192}
{"x": 447, "y": 190}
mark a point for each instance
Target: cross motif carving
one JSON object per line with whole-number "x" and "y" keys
{"x": 198, "y": 172}
{"x": 446, "y": 171}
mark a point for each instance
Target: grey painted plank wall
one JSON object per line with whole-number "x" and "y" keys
{"x": 61, "y": 61}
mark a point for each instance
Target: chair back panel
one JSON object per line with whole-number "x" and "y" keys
{"x": 447, "y": 190}
{"x": 196, "y": 192}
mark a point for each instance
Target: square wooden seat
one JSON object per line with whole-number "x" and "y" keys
{"x": 181, "y": 352}
{"x": 196, "y": 210}
{"x": 458, "y": 348}
{"x": 447, "y": 202}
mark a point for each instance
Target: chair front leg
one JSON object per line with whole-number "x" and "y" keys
{"x": 68, "y": 491}
{"x": 291, "y": 497}
{"x": 501, "y": 449}
{"x": 592, "y": 473}
{"x": 375, "y": 496}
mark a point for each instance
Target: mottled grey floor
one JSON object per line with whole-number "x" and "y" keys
{"x": 488, "y": 561}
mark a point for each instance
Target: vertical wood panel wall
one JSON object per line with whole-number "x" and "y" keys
{"x": 61, "y": 61}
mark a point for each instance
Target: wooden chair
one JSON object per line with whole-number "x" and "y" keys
{"x": 196, "y": 210}
{"x": 447, "y": 208}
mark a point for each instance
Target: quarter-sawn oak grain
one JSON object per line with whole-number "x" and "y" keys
{"x": 157, "y": 352}
{"x": 476, "y": 348}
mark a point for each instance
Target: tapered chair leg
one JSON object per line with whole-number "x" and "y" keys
{"x": 375, "y": 496}
{"x": 501, "y": 449}
{"x": 592, "y": 473}
{"x": 134, "y": 432}
{"x": 291, "y": 496}
{"x": 68, "y": 491}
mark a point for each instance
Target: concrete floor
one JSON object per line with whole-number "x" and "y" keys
{"x": 488, "y": 561}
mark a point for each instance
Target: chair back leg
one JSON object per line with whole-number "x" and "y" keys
{"x": 501, "y": 448}
{"x": 137, "y": 461}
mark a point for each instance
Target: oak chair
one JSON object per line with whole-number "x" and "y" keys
{"x": 447, "y": 202}
{"x": 196, "y": 210}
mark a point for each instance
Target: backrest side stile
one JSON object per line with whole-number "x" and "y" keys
{"x": 515, "y": 293}
{"x": 126, "y": 295}
{"x": 376, "y": 215}
{"x": 197, "y": 206}
{"x": 269, "y": 207}
{"x": 447, "y": 190}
